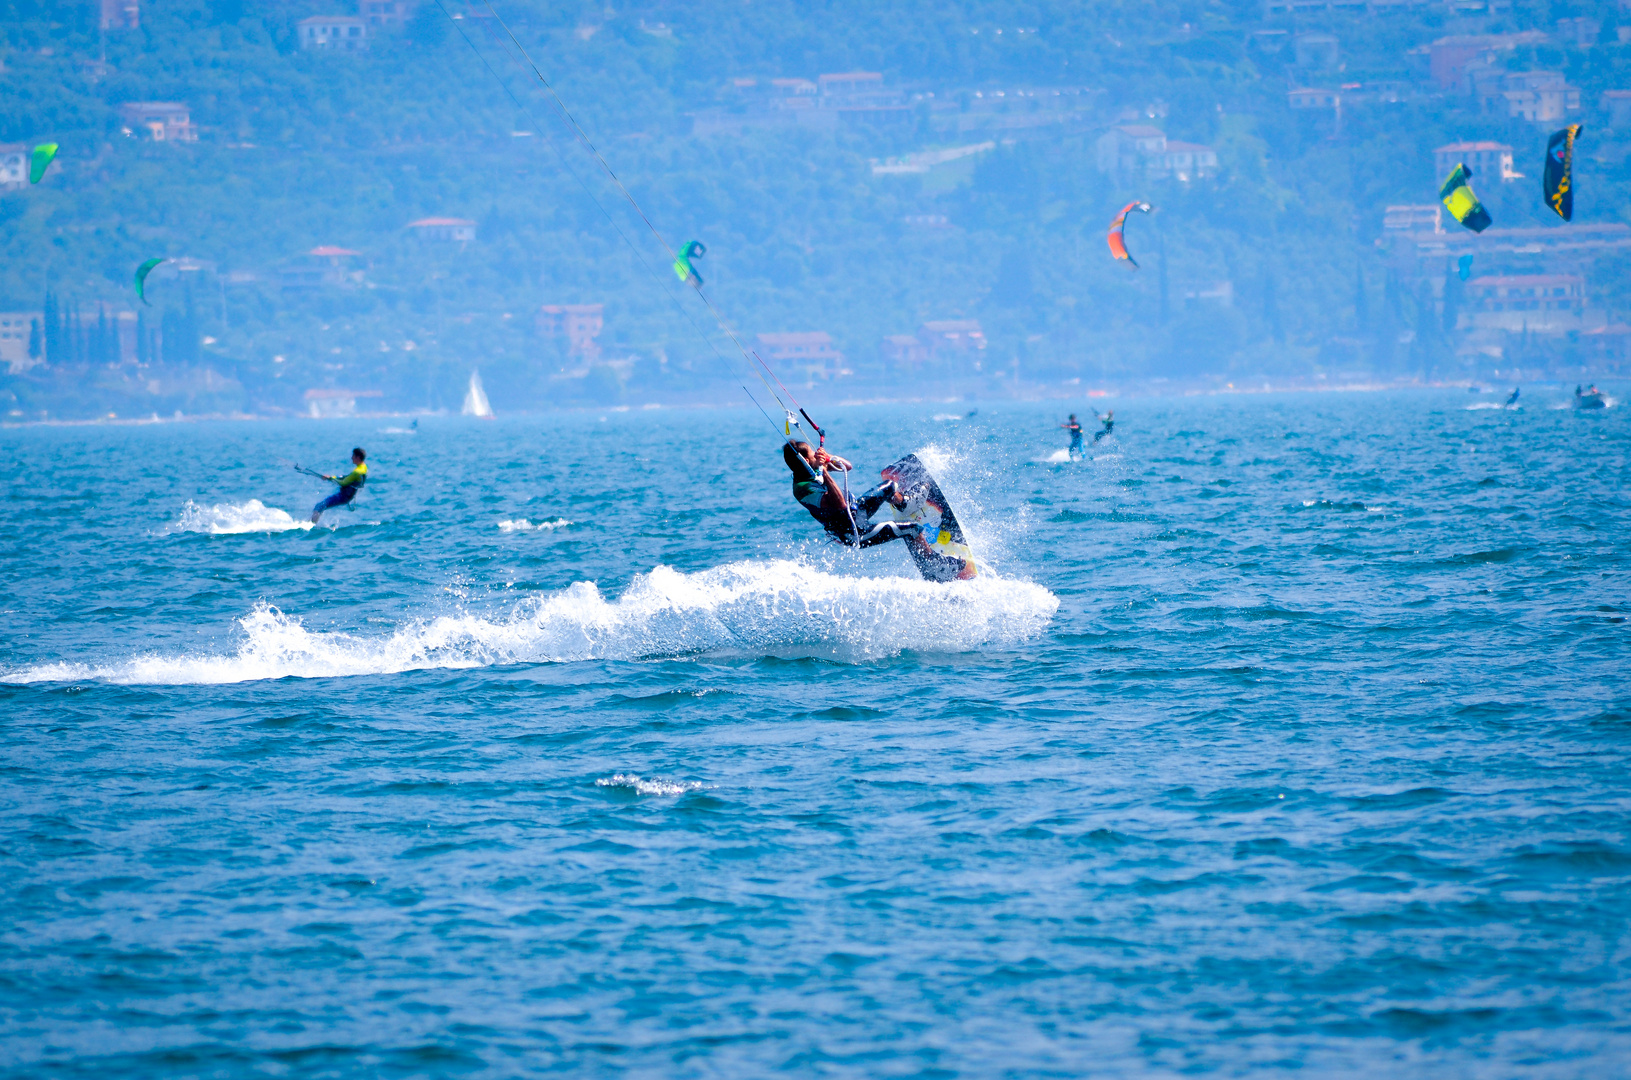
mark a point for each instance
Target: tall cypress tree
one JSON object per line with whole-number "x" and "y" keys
{"x": 53, "y": 330}
{"x": 144, "y": 351}
{"x": 190, "y": 326}
{"x": 104, "y": 352}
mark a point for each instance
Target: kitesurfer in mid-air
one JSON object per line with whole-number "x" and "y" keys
{"x": 849, "y": 521}
{"x": 350, "y": 484}
{"x": 1109, "y": 422}
{"x": 1075, "y": 428}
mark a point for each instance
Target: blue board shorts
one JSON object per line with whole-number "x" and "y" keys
{"x": 339, "y": 498}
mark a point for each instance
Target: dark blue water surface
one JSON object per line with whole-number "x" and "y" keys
{"x": 1289, "y": 734}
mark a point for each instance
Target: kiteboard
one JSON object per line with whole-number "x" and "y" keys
{"x": 940, "y": 549}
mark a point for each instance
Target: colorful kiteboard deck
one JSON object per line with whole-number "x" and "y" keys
{"x": 940, "y": 551}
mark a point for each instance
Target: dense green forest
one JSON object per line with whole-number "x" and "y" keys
{"x": 1269, "y": 269}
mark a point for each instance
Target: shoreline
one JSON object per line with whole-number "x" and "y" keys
{"x": 1115, "y": 393}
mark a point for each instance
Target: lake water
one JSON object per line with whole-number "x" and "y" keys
{"x": 1286, "y": 735}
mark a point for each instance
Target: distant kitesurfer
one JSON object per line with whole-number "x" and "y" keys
{"x": 1109, "y": 422}
{"x": 1513, "y": 400}
{"x": 350, "y": 484}
{"x": 849, "y": 521}
{"x": 1075, "y": 429}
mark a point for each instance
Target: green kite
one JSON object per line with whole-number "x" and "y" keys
{"x": 1462, "y": 204}
{"x": 683, "y": 268}
{"x": 40, "y": 160}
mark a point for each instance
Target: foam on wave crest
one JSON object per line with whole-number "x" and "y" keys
{"x": 523, "y": 525}
{"x": 778, "y": 608}
{"x": 653, "y": 786}
{"x": 228, "y": 519}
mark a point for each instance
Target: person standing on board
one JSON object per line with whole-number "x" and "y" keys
{"x": 817, "y": 491}
{"x": 350, "y": 484}
{"x": 1109, "y": 422}
{"x": 1075, "y": 429}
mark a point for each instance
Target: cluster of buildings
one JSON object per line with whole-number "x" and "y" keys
{"x": 1142, "y": 151}
{"x": 1530, "y": 280}
{"x": 852, "y": 97}
{"x": 350, "y": 33}
{"x": 1470, "y": 67}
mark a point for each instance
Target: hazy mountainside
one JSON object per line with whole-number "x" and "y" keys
{"x": 1270, "y": 267}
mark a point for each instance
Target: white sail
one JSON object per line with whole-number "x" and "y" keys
{"x": 475, "y": 399}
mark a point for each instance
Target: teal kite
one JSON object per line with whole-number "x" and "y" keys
{"x": 683, "y": 268}
{"x": 40, "y": 160}
{"x": 141, "y": 278}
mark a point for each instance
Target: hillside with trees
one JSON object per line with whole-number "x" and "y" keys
{"x": 1273, "y": 264}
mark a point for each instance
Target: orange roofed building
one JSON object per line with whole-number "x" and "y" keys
{"x": 579, "y": 324}
{"x": 162, "y": 121}
{"x": 812, "y": 353}
{"x": 321, "y": 267}
{"x": 458, "y": 230}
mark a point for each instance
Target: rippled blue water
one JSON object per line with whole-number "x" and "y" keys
{"x": 1288, "y": 735}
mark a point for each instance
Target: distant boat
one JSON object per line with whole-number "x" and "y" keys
{"x": 1591, "y": 398}
{"x": 475, "y": 399}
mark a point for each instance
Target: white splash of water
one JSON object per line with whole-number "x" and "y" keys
{"x": 523, "y": 525}
{"x": 649, "y": 787}
{"x": 777, "y": 608}
{"x": 229, "y": 519}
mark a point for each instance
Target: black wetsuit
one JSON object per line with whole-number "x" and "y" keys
{"x": 1075, "y": 430}
{"x": 1109, "y": 426}
{"x": 836, "y": 518}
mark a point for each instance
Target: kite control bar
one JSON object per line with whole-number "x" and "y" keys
{"x": 821, "y": 434}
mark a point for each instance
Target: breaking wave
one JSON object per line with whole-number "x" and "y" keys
{"x": 778, "y": 608}
{"x": 227, "y": 519}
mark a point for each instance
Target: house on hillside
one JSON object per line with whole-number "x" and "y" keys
{"x": 444, "y": 229}
{"x": 1427, "y": 218}
{"x": 1141, "y": 150}
{"x": 905, "y": 350}
{"x": 1124, "y": 148}
{"x": 1540, "y": 97}
{"x": 579, "y": 324}
{"x": 17, "y": 328}
{"x": 325, "y": 267}
{"x": 861, "y": 97}
{"x": 1452, "y": 60}
{"x": 812, "y": 354}
{"x": 1540, "y": 302}
{"x": 952, "y": 336}
{"x": 336, "y": 33}
{"x": 13, "y": 164}
{"x": 120, "y": 15}
{"x": 1487, "y": 160}
{"x": 381, "y": 13}
{"x": 1308, "y": 97}
{"x": 161, "y": 121}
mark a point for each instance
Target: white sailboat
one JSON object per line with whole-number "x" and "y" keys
{"x": 475, "y": 399}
